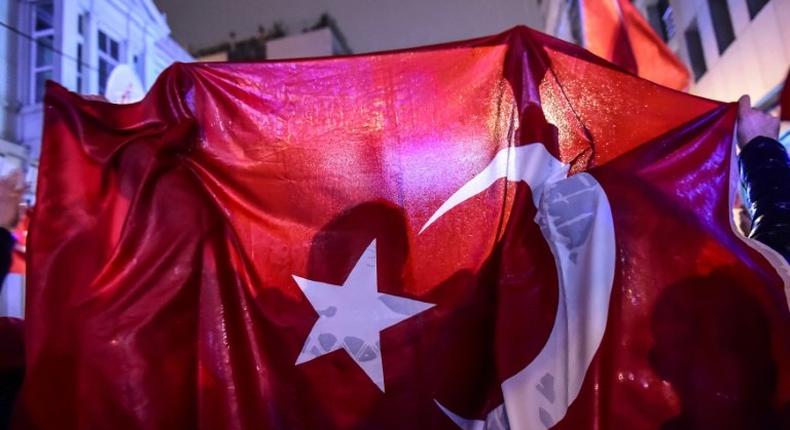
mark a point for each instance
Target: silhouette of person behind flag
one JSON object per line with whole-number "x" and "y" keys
{"x": 713, "y": 344}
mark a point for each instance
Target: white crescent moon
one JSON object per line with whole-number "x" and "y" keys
{"x": 575, "y": 218}
{"x": 495, "y": 420}
{"x": 461, "y": 422}
{"x": 529, "y": 163}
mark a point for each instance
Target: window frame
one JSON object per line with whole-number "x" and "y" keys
{"x": 81, "y": 82}
{"x": 721, "y": 20}
{"x": 699, "y": 66}
{"x": 662, "y": 19}
{"x": 36, "y": 45}
{"x": 105, "y": 56}
{"x": 755, "y": 9}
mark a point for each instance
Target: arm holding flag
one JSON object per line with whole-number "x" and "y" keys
{"x": 765, "y": 174}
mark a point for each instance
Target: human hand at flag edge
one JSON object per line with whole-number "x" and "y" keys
{"x": 754, "y": 123}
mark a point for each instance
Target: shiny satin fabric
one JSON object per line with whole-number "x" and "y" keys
{"x": 784, "y": 100}
{"x": 167, "y": 234}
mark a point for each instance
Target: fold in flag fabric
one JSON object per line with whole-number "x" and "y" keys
{"x": 617, "y": 31}
{"x": 506, "y": 232}
{"x": 784, "y": 100}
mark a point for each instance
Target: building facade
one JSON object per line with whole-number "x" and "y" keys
{"x": 321, "y": 39}
{"x": 76, "y": 43}
{"x": 732, "y": 47}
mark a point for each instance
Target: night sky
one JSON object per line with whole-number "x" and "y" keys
{"x": 368, "y": 25}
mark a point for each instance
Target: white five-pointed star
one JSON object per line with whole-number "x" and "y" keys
{"x": 351, "y": 316}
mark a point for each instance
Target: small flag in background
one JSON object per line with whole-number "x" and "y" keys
{"x": 616, "y": 31}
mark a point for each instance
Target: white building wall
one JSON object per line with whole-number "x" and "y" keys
{"x": 555, "y": 20}
{"x": 311, "y": 44}
{"x": 137, "y": 25}
{"x": 755, "y": 63}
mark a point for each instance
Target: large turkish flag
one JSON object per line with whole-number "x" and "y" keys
{"x": 506, "y": 231}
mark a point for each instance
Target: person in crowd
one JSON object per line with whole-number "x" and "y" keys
{"x": 11, "y": 188}
{"x": 11, "y": 329}
{"x": 765, "y": 176}
{"x": 713, "y": 343}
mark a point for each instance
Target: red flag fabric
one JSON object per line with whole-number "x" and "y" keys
{"x": 505, "y": 232}
{"x": 616, "y": 31}
{"x": 784, "y": 100}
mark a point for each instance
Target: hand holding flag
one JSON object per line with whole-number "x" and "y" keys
{"x": 754, "y": 123}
